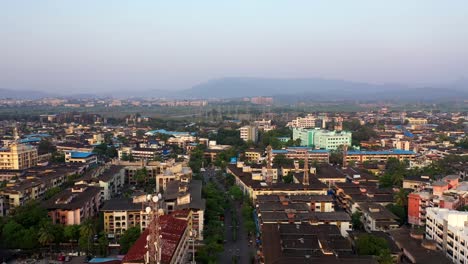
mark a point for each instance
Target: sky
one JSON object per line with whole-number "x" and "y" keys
{"x": 106, "y": 45}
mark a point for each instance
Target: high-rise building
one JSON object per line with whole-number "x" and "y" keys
{"x": 249, "y": 133}
{"x": 18, "y": 157}
{"x": 448, "y": 228}
{"x": 322, "y": 139}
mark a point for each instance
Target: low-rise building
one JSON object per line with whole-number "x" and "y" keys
{"x": 376, "y": 217}
{"x": 18, "y": 157}
{"x": 80, "y": 157}
{"x": 379, "y": 155}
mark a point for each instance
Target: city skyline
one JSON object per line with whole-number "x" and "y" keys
{"x": 109, "y": 46}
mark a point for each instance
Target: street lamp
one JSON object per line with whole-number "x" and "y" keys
{"x": 153, "y": 239}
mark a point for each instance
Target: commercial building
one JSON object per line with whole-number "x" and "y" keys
{"x": 322, "y": 139}
{"x": 249, "y": 133}
{"x": 449, "y": 230}
{"x": 18, "y": 157}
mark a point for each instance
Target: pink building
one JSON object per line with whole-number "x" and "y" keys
{"x": 73, "y": 206}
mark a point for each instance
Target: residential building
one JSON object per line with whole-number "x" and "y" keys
{"x": 249, "y": 133}
{"x": 379, "y": 156}
{"x": 303, "y": 122}
{"x": 74, "y": 205}
{"x": 253, "y": 155}
{"x": 121, "y": 214}
{"x": 110, "y": 178}
{"x": 448, "y": 228}
{"x": 376, "y": 217}
{"x": 322, "y": 139}
{"x": 18, "y": 157}
{"x": 299, "y": 153}
{"x": 174, "y": 235}
{"x": 80, "y": 157}
{"x": 182, "y": 195}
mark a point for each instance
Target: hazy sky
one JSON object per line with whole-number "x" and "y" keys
{"x": 104, "y": 45}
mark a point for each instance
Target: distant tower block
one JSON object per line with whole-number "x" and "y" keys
{"x": 16, "y": 133}
{"x": 305, "y": 180}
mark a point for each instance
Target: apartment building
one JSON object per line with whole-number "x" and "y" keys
{"x": 88, "y": 158}
{"x": 121, "y": 214}
{"x": 249, "y": 133}
{"x": 111, "y": 180}
{"x": 448, "y": 228}
{"x": 303, "y": 122}
{"x": 376, "y": 217}
{"x": 299, "y": 153}
{"x": 379, "y": 156}
{"x": 74, "y": 205}
{"x": 18, "y": 157}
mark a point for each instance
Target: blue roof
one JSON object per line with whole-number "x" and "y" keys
{"x": 173, "y": 133}
{"x": 30, "y": 140}
{"x": 81, "y": 155}
{"x": 381, "y": 152}
{"x": 37, "y": 135}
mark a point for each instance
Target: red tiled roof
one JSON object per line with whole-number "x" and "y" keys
{"x": 172, "y": 230}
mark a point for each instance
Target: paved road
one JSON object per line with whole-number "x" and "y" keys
{"x": 239, "y": 248}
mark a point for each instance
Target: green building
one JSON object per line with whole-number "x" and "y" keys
{"x": 322, "y": 139}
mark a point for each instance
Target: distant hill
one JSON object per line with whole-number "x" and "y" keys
{"x": 22, "y": 94}
{"x": 318, "y": 89}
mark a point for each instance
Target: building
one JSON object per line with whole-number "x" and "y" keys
{"x": 299, "y": 153}
{"x": 121, "y": 214}
{"x": 303, "y": 122}
{"x": 183, "y": 195}
{"x": 74, "y": 205}
{"x": 249, "y": 133}
{"x": 254, "y": 182}
{"x": 253, "y": 155}
{"x": 174, "y": 235}
{"x": 448, "y": 228}
{"x": 18, "y": 157}
{"x": 416, "y": 121}
{"x": 304, "y": 243}
{"x": 322, "y": 139}
{"x": 379, "y": 156}
{"x": 376, "y": 217}
{"x": 80, "y": 157}
{"x": 348, "y": 195}
{"x": 111, "y": 180}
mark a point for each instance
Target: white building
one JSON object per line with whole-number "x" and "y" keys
{"x": 303, "y": 122}
{"x": 249, "y": 133}
{"x": 449, "y": 229}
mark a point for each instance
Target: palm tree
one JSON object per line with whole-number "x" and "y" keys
{"x": 45, "y": 235}
{"x": 87, "y": 231}
{"x": 401, "y": 198}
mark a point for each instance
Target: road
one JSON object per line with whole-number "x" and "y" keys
{"x": 239, "y": 248}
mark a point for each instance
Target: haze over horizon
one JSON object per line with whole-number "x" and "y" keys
{"x": 90, "y": 46}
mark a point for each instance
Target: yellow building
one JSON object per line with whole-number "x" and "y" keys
{"x": 18, "y": 157}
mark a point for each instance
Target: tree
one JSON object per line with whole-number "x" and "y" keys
{"x": 45, "y": 146}
{"x": 52, "y": 192}
{"x": 281, "y": 160}
{"x": 46, "y": 235}
{"x": 71, "y": 233}
{"x": 128, "y": 238}
{"x": 236, "y": 193}
{"x": 401, "y": 198}
{"x": 356, "y": 221}
{"x": 289, "y": 178}
{"x": 103, "y": 244}
{"x": 385, "y": 257}
{"x": 87, "y": 231}
{"x": 399, "y": 211}
{"x": 141, "y": 175}
{"x": 368, "y": 244}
